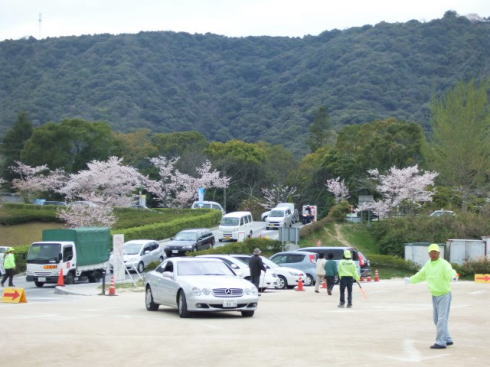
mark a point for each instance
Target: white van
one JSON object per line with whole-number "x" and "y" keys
{"x": 207, "y": 205}
{"x": 232, "y": 224}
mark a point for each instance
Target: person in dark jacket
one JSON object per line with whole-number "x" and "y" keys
{"x": 256, "y": 267}
{"x": 330, "y": 272}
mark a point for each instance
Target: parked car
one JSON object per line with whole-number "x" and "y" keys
{"x": 338, "y": 253}
{"x": 286, "y": 277}
{"x": 233, "y": 223}
{"x": 300, "y": 260}
{"x": 138, "y": 254}
{"x": 267, "y": 279}
{"x": 199, "y": 285}
{"x": 189, "y": 240}
{"x": 207, "y": 205}
{"x": 441, "y": 213}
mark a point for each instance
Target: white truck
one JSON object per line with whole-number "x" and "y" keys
{"x": 79, "y": 252}
{"x": 283, "y": 215}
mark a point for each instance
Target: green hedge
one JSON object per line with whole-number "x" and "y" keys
{"x": 159, "y": 231}
{"x": 392, "y": 262}
{"x": 314, "y": 227}
{"x": 470, "y": 268}
{"x": 267, "y": 246}
{"x": 11, "y": 214}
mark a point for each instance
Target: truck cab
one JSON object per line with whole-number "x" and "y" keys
{"x": 46, "y": 259}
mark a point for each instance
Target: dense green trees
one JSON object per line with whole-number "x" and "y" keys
{"x": 250, "y": 88}
{"x": 13, "y": 143}
{"x": 460, "y": 145}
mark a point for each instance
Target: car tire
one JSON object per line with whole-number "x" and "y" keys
{"x": 38, "y": 284}
{"x": 149, "y": 303}
{"x": 247, "y": 313}
{"x": 141, "y": 267}
{"x": 212, "y": 244}
{"x": 162, "y": 258}
{"x": 309, "y": 281}
{"x": 182, "y": 305}
{"x": 283, "y": 283}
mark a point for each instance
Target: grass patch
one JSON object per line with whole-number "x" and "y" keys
{"x": 26, "y": 233}
{"x": 358, "y": 235}
{"x": 326, "y": 235}
{"x": 388, "y": 272}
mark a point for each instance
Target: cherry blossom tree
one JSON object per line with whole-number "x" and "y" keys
{"x": 177, "y": 189}
{"x": 34, "y": 180}
{"x": 401, "y": 186}
{"x": 277, "y": 194}
{"x": 80, "y": 215}
{"x": 338, "y": 189}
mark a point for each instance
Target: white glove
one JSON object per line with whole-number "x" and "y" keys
{"x": 407, "y": 280}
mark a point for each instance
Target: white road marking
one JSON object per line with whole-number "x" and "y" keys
{"x": 412, "y": 354}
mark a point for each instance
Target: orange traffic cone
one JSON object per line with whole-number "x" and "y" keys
{"x": 61, "y": 279}
{"x": 369, "y": 278}
{"x": 300, "y": 286}
{"x": 376, "y": 276}
{"x": 112, "y": 288}
{"x": 324, "y": 283}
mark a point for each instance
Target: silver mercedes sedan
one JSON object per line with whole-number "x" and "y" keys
{"x": 199, "y": 285}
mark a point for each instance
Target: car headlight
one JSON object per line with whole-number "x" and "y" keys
{"x": 198, "y": 291}
{"x": 250, "y": 291}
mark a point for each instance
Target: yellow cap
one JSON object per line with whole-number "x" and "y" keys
{"x": 347, "y": 254}
{"x": 434, "y": 247}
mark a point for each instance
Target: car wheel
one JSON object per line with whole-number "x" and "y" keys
{"x": 212, "y": 244}
{"x": 282, "y": 282}
{"x": 38, "y": 284}
{"x": 141, "y": 267}
{"x": 162, "y": 258}
{"x": 182, "y": 305}
{"x": 309, "y": 280}
{"x": 247, "y": 313}
{"x": 150, "y": 305}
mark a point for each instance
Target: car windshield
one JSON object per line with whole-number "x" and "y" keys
{"x": 227, "y": 221}
{"x": 132, "y": 248}
{"x": 186, "y": 236}
{"x": 44, "y": 252}
{"x": 203, "y": 268}
{"x": 276, "y": 213}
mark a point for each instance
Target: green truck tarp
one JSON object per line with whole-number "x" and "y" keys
{"x": 93, "y": 244}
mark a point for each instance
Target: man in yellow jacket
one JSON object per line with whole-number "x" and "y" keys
{"x": 9, "y": 266}
{"x": 438, "y": 273}
{"x": 347, "y": 273}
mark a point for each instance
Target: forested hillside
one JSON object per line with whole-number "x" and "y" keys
{"x": 253, "y": 88}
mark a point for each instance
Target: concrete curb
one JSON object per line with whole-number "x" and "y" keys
{"x": 67, "y": 290}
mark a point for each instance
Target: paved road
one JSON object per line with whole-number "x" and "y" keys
{"x": 391, "y": 328}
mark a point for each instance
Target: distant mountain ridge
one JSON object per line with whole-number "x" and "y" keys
{"x": 252, "y": 88}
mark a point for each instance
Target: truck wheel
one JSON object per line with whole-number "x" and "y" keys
{"x": 69, "y": 278}
{"x": 38, "y": 284}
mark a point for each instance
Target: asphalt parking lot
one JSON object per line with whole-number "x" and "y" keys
{"x": 392, "y": 327}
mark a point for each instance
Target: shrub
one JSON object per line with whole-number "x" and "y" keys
{"x": 170, "y": 228}
{"x": 314, "y": 227}
{"x": 392, "y": 262}
{"x": 470, "y": 268}
{"x": 338, "y": 212}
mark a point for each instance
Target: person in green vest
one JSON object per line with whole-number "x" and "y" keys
{"x": 438, "y": 273}
{"x": 330, "y": 272}
{"x": 347, "y": 273}
{"x": 9, "y": 266}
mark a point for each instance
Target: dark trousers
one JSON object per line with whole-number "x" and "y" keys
{"x": 330, "y": 282}
{"x": 346, "y": 282}
{"x": 9, "y": 273}
{"x": 255, "y": 280}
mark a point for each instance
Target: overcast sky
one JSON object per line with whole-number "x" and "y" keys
{"x": 20, "y": 18}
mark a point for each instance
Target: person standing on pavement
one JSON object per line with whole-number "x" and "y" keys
{"x": 320, "y": 271}
{"x": 9, "y": 266}
{"x": 347, "y": 273}
{"x": 256, "y": 267}
{"x": 330, "y": 272}
{"x": 438, "y": 273}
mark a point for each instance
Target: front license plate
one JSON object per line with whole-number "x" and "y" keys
{"x": 229, "y": 303}
{"x": 175, "y": 251}
{"x": 41, "y": 279}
